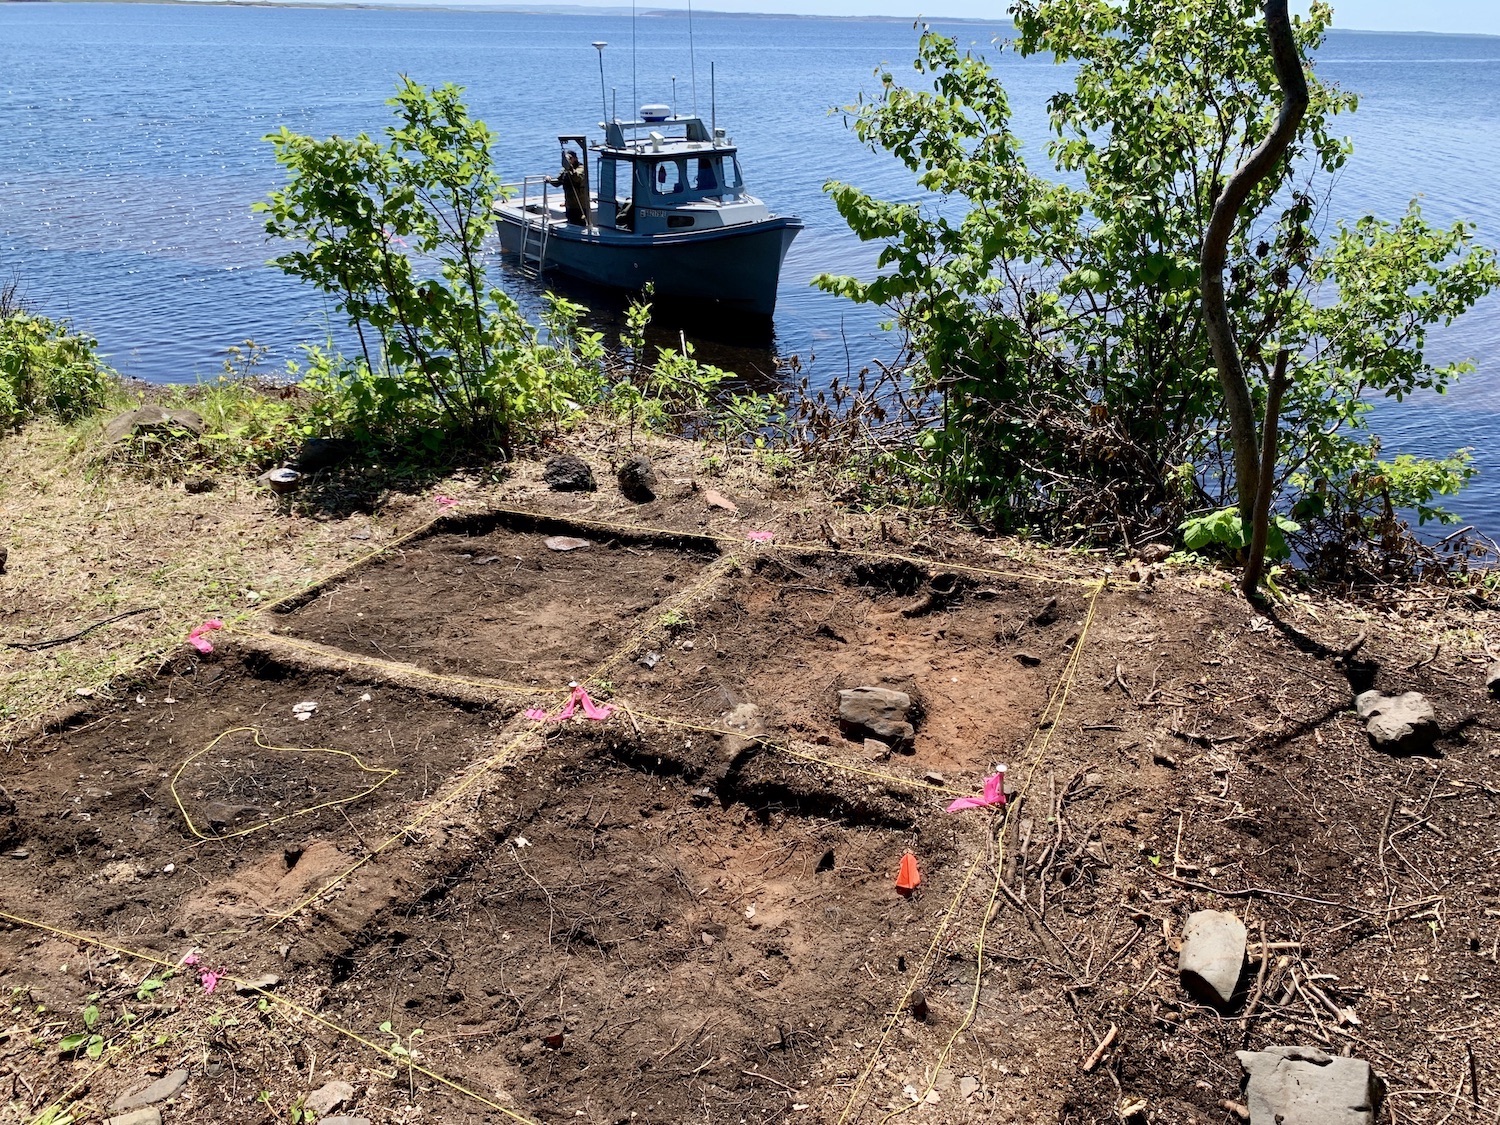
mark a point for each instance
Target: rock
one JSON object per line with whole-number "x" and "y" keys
{"x": 1304, "y": 1086}
{"x": 873, "y": 712}
{"x": 328, "y": 1097}
{"x": 197, "y": 486}
{"x": 1399, "y": 724}
{"x": 259, "y": 984}
{"x": 1491, "y": 678}
{"x": 1155, "y": 552}
{"x": 637, "y": 480}
{"x": 323, "y": 453}
{"x": 1213, "y": 956}
{"x": 718, "y": 500}
{"x": 280, "y": 481}
{"x": 4, "y": 558}
{"x": 567, "y": 473}
{"x": 565, "y": 543}
{"x": 159, "y": 1091}
{"x": 877, "y": 749}
{"x": 747, "y": 723}
{"x": 151, "y": 418}
{"x": 137, "y": 1117}
{"x": 968, "y": 1087}
{"x": 1047, "y": 614}
{"x": 1028, "y": 659}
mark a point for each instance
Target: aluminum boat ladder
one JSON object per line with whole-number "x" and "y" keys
{"x": 535, "y": 226}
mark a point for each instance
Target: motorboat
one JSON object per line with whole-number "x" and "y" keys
{"x": 666, "y": 206}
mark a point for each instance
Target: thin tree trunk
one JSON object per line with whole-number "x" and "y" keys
{"x": 1237, "y": 400}
{"x": 1260, "y": 522}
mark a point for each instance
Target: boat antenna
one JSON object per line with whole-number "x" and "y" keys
{"x": 634, "y": 96}
{"x": 599, "y": 46}
{"x": 674, "y": 95}
{"x": 693, "y": 57}
{"x": 713, "y": 105}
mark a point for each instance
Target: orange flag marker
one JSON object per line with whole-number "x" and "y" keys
{"x": 908, "y": 878}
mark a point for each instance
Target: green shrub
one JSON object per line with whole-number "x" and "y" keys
{"x": 48, "y": 370}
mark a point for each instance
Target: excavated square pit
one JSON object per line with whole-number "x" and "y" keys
{"x": 487, "y": 597}
{"x": 980, "y": 658}
{"x": 96, "y": 839}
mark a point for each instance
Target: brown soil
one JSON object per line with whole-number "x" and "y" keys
{"x": 660, "y": 919}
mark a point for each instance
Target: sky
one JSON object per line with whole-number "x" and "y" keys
{"x": 1478, "y": 16}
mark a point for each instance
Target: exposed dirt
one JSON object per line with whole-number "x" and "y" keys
{"x": 667, "y": 917}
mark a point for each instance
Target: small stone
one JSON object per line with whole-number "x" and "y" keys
{"x": 328, "y": 1097}
{"x": 281, "y": 481}
{"x": 877, "y": 749}
{"x": 1155, "y": 552}
{"x": 1047, "y": 614}
{"x": 1028, "y": 659}
{"x": 1491, "y": 678}
{"x": 1398, "y": 724}
{"x": 159, "y": 1091}
{"x": 874, "y": 712}
{"x": 968, "y": 1087}
{"x": 567, "y": 473}
{"x": 918, "y": 1005}
{"x": 4, "y": 558}
{"x": 196, "y": 486}
{"x": 747, "y": 724}
{"x": 1213, "y": 956}
{"x": 259, "y": 984}
{"x": 637, "y": 480}
{"x": 718, "y": 500}
{"x": 932, "y": 777}
{"x": 136, "y": 1117}
{"x": 1304, "y": 1086}
{"x": 650, "y": 660}
{"x": 565, "y": 543}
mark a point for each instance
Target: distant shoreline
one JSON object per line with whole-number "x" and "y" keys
{"x": 619, "y": 9}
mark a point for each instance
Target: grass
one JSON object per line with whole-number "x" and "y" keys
{"x": 86, "y": 542}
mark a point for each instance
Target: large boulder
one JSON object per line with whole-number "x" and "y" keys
{"x": 1399, "y": 724}
{"x": 1212, "y": 956}
{"x": 1304, "y": 1086}
{"x": 876, "y": 712}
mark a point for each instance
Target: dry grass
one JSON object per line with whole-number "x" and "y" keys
{"x": 86, "y": 544}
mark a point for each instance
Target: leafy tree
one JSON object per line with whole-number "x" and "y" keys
{"x": 1055, "y": 322}
{"x": 395, "y": 233}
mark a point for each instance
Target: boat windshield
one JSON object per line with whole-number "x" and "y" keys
{"x": 696, "y": 176}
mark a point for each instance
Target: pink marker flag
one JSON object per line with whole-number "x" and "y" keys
{"x": 760, "y": 536}
{"x": 197, "y": 639}
{"x": 210, "y": 980}
{"x": 444, "y": 501}
{"x": 994, "y": 794}
{"x": 580, "y": 698}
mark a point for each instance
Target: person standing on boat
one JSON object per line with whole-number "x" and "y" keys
{"x": 575, "y": 187}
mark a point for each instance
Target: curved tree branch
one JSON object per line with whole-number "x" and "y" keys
{"x": 1240, "y": 407}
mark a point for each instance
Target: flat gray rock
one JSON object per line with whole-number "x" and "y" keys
{"x": 1304, "y": 1086}
{"x": 1491, "y": 678}
{"x": 152, "y": 417}
{"x": 328, "y": 1097}
{"x": 1400, "y": 724}
{"x": 159, "y": 1091}
{"x": 136, "y": 1117}
{"x": 874, "y": 712}
{"x": 1213, "y": 956}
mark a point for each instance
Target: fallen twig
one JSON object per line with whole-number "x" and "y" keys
{"x": 35, "y": 646}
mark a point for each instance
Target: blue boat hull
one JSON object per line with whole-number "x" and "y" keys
{"x": 734, "y": 267}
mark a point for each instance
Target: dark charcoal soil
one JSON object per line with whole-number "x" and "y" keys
{"x": 651, "y": 920}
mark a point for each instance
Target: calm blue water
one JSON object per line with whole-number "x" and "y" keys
{"x": 132, "y": 152}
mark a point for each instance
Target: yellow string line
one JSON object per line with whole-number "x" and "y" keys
{"x": 1050, "y": 720}
{"x": 191, "y": 758}
{"x": 281, "y": 1001}
{"x": 499, "y": 758}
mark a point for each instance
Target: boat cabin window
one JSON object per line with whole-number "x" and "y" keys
{"x": 702, "y": 175}
{"x": 667, "y": 178}
{"x": 732, "y": 179}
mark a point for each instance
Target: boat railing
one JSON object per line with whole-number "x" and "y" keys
{"x": 534, "y": 231}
